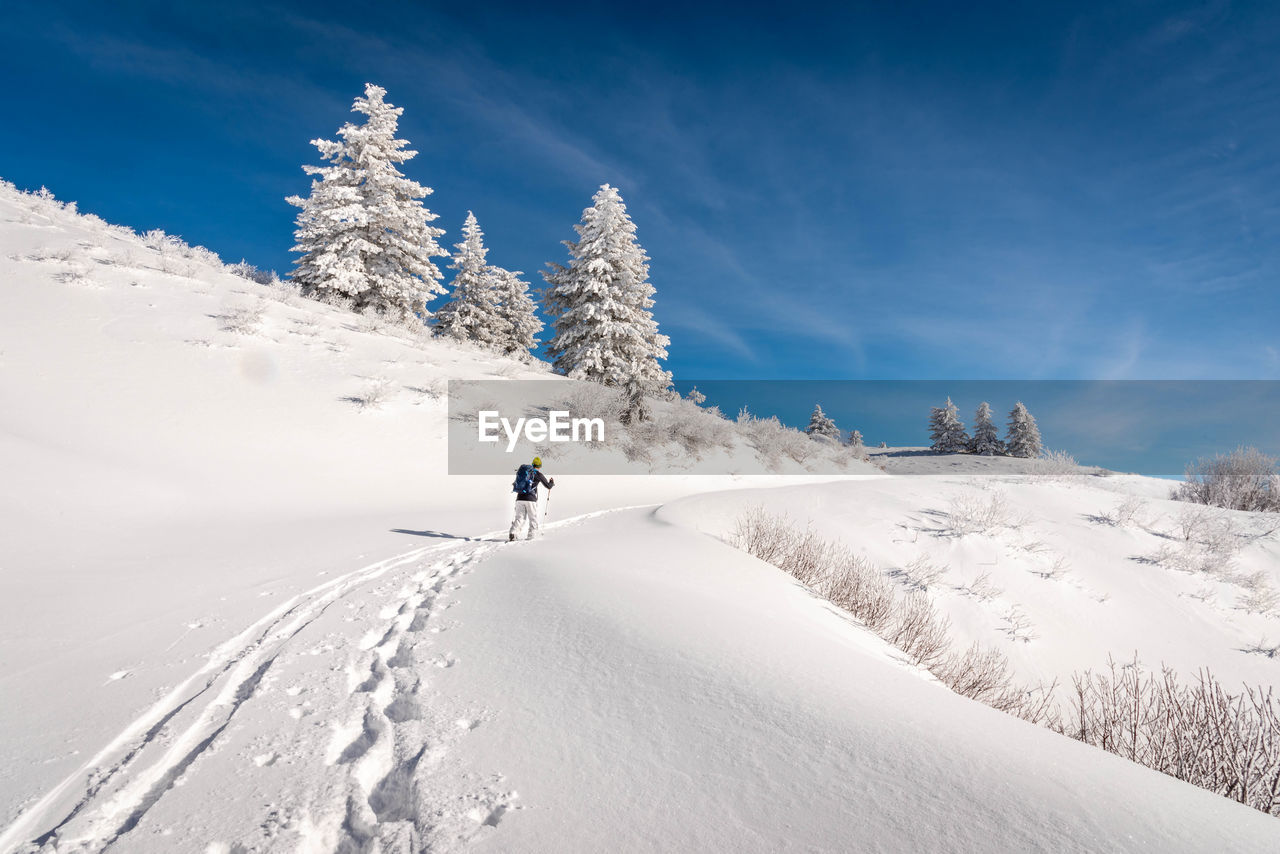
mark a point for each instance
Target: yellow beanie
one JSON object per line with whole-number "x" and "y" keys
{"x": 537, "y": 462}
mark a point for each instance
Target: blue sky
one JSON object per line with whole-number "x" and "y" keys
{"x": 862, "y": 191}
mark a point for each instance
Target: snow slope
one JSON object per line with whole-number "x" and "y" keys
{"x": 183, "y": 450}
{"x": 568, "y": 696}
{"x": 242, "y": 611}
{"x": 1065, "y": 586}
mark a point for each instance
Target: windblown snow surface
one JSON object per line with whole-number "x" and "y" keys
{"x": 243, "y": 608}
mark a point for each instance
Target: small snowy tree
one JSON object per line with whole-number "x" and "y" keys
{"x": 364, "y": 235}
{"x": 471, "y": 314}
{"x": 946, "y": 430}
{"x": 517, "y": 313}
{"x": 986, "y": 437}
{"x": 1023, "y": 439}
{"x": 604, "y": 329}
{"x": 696, "y": 397}
{"x": 855, "y": 439}
{"x": 820, "y": 426}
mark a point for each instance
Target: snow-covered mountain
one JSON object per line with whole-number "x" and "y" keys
{"x": 244, "y": 608}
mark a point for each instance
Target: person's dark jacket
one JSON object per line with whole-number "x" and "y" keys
{"x": 532, "y": 494}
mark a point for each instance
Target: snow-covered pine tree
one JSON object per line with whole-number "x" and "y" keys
{"x": 604, "y": 328}
{"x": 820, "y": 425}
{"x": 472, "y": 314}
{"x": 986, "y": 437}
{"x": 517, "y": 313}
{"x": 696, "y": 397}
{"x": 855, "y": 439}
{"x": 946, "y": 429}
{"x": 363, "y": 232}
{"x": 1023, "y": 439}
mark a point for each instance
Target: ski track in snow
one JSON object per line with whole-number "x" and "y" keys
{"x": 387, "y": 753}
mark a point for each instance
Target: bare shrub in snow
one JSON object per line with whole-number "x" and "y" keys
{"x": 916, "y": 628}
{"x": 1054, "y": 465}
{"x": 971, "y": 514}
{"x": 1128, "y": 513}
{"x": 693, "y": 430}
{"x": 1259, "y": 596}
{"x": 245, "y": 270}
{"x": 1058, "y": 568}
{"x": 1245, "y": 479}
{"x": 432, "y": 389}
{"x": 1192, "y": 522}
{"x": 982, "y": 674}
{"x": 122, "y": 258}
{"x": 336, "y": 300}
{"x": 592, "y": 400}
{"x": 910, "y": 622}
{"x": 772, "y": 440}
{"x": 73, "y": 274}
{"x": 287, "y": 292}
{"x": 377, "y": 392}
{"x": 861, "y": 589}
{"x": 244, "y": 318}
{"x": 981, "y": 588}
{"x": 920, "y": 574}
{"x": 1018, "y": 625}
{"x": 1200, "y": 733}
{"x": 762, "y": 534}
{"x": 1263, "y": 647}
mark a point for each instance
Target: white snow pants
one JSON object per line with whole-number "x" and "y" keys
{"x": 525, "y": 510}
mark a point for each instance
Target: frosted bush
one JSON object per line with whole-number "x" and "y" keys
{"x": 245, "y": 270}
{"x": 1018, "y": 625}
{"x": 244, "y": 318}
{"x": 917, "y": 629}
{"x": 1054, "y": 465}
{"x": 908, "y": 621}
{"x": 1128, "y": 512}
{"x": 920, "y": 574}
{"x": 156, "y": 239}
{"x": 982, "y": 588}
{"x": 376, "y": 393}
{"x": 971, "y": 514}
{"x": 1245, "y": 479}
{"x": 772, "y": 440}
{"x": 693, "y": 430}
{"x": 1200, "y": 733}
{"x": 592, "y": 400}
{"x": 1259, "y": 596}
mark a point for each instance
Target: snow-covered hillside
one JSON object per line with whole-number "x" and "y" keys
{"x": 244, "y": 608}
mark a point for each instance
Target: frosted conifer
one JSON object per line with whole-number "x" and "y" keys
{"x": 517, "y": 312}
{"x": 822, "y": 426}
{"x": 1023, "y": 439}
{"x": 472, "y": 314}
{"x": 986, "y": 438}
{"x": 363, "y": 232}
{"x": 604, "y": 329}
{"x": 855, "y": 438}
{"x": 946, "y": 429}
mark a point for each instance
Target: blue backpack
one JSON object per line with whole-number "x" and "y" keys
{"x": 526, "y": 479}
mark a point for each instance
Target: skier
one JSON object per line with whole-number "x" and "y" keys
{"x": 526, "y": 488}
